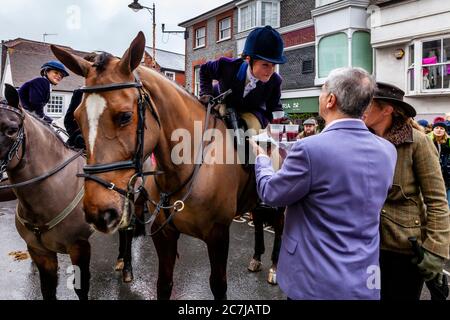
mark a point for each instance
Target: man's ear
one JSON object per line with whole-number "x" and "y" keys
{"x": 331, "y": 100}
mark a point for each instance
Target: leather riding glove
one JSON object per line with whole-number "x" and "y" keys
{"x": 431, "y": 265}
{"x": 205, "y": 99}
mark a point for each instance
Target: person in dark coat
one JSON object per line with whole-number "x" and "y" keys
{"x": 255, "y": 84}
{"x": 76, "y": 139}
{"x": 35, "y": 94}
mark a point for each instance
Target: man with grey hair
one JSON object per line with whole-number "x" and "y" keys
{"x": 334, "y": 185}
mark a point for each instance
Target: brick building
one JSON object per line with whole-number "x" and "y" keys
{"x": 210, "y": 36}
{"x": 223, "y": 31}
{"x": 319, "y": 35}
{"x": 169, "y": 63}
{"x": 21, "y": 60}
{"x": 411, "y": 41}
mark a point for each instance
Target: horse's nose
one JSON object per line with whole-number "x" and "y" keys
{"x": 107, "y": 219}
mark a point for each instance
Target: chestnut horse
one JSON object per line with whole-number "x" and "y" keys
{"x": 130, "y": 111}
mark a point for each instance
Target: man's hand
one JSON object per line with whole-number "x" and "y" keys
{"x": 431, "y": 265}
{"x": 205, "y": 99}
{"x": 257, "y": 150}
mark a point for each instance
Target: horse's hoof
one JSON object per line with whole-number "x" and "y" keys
{"x": 127, "y": 276}
{"x": 254, "y": 265}
{"x": 272, "y": 278}
{"x": 119, "y": 265}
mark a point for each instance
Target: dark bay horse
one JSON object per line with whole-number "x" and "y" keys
{"x": 49, "y": 213}
{"x": 123, "y": 123}
{"x": 35, "y": 152}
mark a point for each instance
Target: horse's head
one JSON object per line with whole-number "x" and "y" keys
{"x": 112, "y": 112}
{"x": 11, "y": 120}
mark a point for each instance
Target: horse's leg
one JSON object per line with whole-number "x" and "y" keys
{"x": 6, "y": 194}
{"x": 80, "y": 255}
{"x": 258, "y": 221}
{"x": 166, "y": 246}
{"x": 278, "y": 224}
{"x": 126, "y": 240}
{"x": 47, "y": 264}
{"x": 218, "y": 242}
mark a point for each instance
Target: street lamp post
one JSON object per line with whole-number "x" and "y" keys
{"x": 136, "y": 6}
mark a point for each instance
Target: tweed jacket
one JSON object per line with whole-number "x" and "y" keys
{"x": 416, "y": 204}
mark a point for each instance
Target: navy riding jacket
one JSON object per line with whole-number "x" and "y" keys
{"x": 34, "y": 95}
{"x": 231, "y": 74}
{"x": 75, "y": 137}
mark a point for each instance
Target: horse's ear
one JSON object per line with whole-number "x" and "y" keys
{"x": 11, "y": 96}
{"x": 76, "y": 64}
{"x": 133, "y": 56}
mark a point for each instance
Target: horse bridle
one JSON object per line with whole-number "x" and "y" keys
{"x": 14, "y": 149}
{"x": 91, "y": 171}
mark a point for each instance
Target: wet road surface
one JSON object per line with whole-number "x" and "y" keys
{"x": 20, "y": 279}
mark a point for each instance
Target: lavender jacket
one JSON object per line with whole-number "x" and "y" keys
{"x": 334, "y": 185}
{"x": 231, "y": 74}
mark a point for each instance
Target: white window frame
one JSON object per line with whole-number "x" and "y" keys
{"x": 49, "y": 108}
{"x": 170, "y": 75}
{"x": 197, "y": 45}
{"x": 197, "y": 80}
{"x": 276, "y": 5}
{"x": 418, "y": 66}
{"x": 220, "y": 29}
{"x": 258, "y": 14}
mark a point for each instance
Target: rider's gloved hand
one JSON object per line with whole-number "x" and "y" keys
{"x": 205, "y": 99}
{"x": 431, "y": 265}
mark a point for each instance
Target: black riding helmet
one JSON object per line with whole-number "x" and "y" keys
{"x": 265, "y": 43}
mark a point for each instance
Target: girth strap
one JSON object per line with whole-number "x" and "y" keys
{"x": 39, "y": 230}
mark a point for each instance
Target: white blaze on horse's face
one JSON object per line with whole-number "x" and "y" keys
{"x": 95, "y": 105}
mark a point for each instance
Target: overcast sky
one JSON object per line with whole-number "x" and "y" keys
{"x": 107, "y": 25}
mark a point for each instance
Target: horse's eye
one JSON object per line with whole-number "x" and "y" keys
{"x": 125, "y": 118}
{"x": 11, "y": 131}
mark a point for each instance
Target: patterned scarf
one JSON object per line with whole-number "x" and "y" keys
{"x": 400, "y": 132}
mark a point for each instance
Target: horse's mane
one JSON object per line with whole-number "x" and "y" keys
{"x": 175, "y": 85}
{"x": 101, "y": 61}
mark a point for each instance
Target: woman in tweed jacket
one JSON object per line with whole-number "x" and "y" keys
{"x": 416, "y": 205}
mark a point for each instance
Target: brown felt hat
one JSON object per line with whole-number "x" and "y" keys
{"x": 394, "y": 95}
